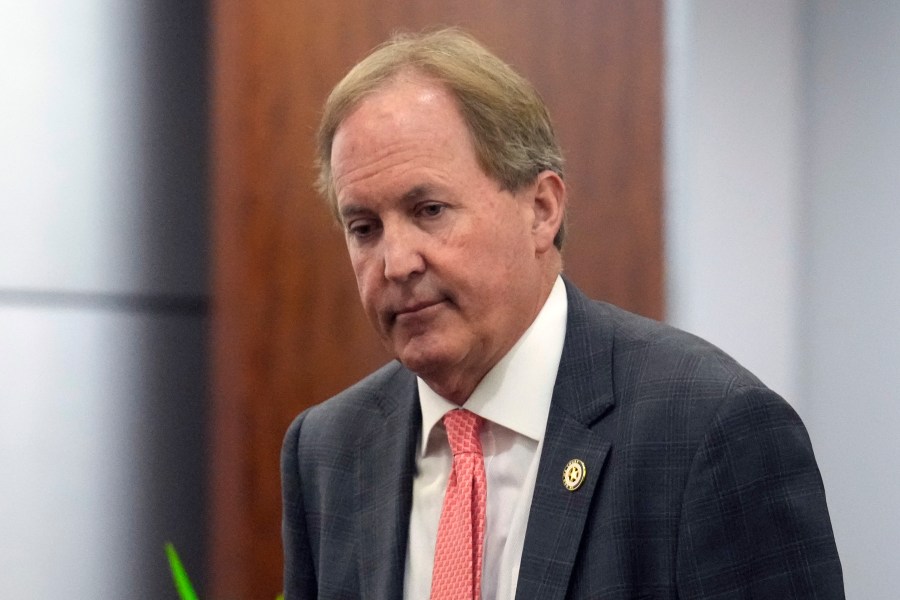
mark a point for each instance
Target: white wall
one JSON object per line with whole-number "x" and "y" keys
{"x": 102, "y": 296}
{"x": 784, "y": 231}
{"x": 851, "y": 311}
{"x": 733, "y": 180}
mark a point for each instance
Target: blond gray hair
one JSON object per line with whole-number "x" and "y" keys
{"x": 513, "y": 136}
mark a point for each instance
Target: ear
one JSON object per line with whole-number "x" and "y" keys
{"x": 549, "y": 206}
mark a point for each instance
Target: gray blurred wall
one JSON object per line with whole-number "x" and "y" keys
{"x": 103, "y": 296}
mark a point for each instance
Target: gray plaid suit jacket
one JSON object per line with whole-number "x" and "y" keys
{"x": 701, "y": 482}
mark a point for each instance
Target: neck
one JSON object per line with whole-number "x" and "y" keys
{"x": 458, "y": 383}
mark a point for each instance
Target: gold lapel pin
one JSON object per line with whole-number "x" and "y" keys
{"x": 574, "y": 474}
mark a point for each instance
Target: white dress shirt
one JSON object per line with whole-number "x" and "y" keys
{"x": 514, "y": 399}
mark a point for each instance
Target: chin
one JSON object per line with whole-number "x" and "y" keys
{"x": 423, "y": 361}
{"x": 422, "y": 366}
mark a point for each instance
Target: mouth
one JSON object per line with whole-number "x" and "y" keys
{"x": 414, "y": 310}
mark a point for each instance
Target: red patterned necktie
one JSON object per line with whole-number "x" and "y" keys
{"x": 460, "y": 538}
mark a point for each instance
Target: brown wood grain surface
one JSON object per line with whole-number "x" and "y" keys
{"x": 287, "y": 328}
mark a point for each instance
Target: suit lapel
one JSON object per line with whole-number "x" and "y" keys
{"x": 582, "y": 394}
{"x": 385, "y": 468}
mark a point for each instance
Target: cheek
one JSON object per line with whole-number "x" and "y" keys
{"x": 505, "y": 253}
{"x": 361, "y": 260}
{"x": 363, "y": 271}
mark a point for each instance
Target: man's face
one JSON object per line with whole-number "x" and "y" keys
{"x": 446, "y": 261}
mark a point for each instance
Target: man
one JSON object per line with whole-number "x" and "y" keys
{"x": 621, "y": 458}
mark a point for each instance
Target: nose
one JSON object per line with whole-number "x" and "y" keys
{"x": 402, "y": 253}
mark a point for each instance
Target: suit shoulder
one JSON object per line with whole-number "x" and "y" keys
{"x": 346, "y": 415}
{"x": 648, "y": 350}
{"x": 665, "y": 379}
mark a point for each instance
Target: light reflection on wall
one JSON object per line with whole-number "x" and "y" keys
{"x": 102, "y": 296}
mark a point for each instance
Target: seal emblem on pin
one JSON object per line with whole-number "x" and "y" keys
{"x": 574, "y": 474}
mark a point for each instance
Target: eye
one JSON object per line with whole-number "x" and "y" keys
{"x": 431, "y": 209}
{"x": 362, "y": 228}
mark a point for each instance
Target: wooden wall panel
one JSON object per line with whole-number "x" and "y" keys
{"x": 287, "y": 327}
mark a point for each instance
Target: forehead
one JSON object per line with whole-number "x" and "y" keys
{"x": 404, "y": 98}
{"x": 410, "y": 114}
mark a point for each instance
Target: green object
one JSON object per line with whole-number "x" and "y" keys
{"x": 179, "y": 575}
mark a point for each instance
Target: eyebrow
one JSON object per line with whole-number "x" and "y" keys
{"x": 415, "y": 194}
{"x": 352, "y": 210}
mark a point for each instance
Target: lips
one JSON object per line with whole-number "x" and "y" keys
{"x": 413, "y": 309}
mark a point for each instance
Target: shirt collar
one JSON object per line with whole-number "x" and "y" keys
{"x": 516, "y": 392}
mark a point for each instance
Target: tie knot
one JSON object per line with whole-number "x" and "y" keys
{"x": 462, "y": 431}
